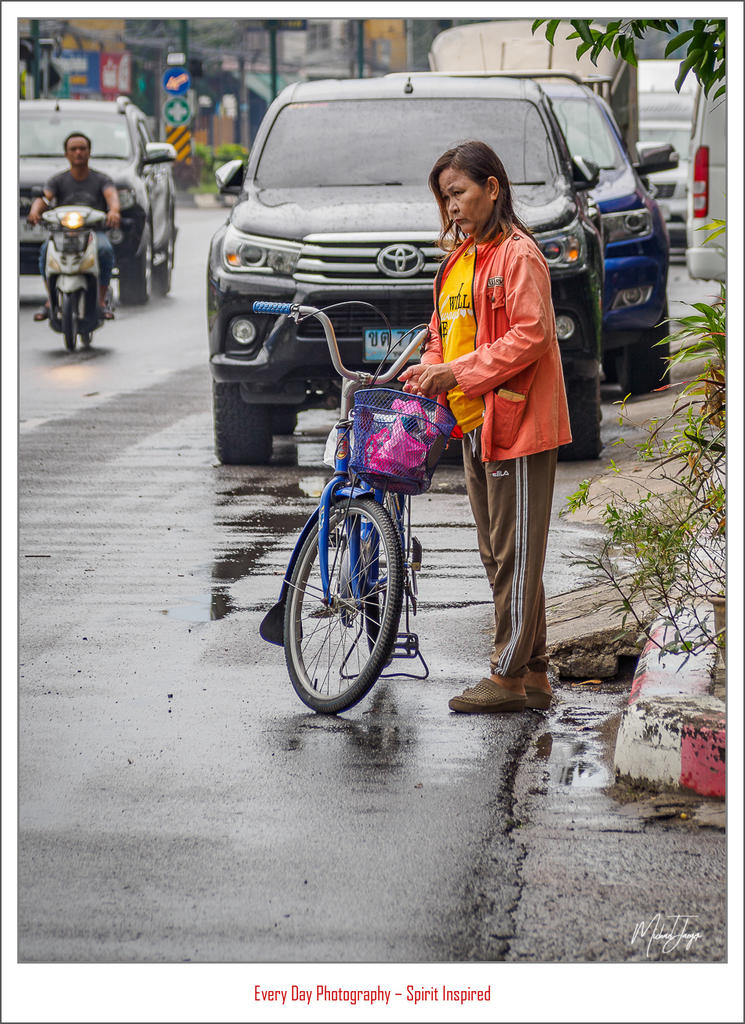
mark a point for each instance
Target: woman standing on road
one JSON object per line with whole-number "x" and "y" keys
{"x": 493, "y": 352}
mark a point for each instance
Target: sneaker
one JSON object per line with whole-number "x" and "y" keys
{"x": 488, "y": 695}
{"x": 42, "y": 313}
{"x": 538, "y": 690}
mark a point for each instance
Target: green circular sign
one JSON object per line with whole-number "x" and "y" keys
{"x": 177, "y": 110}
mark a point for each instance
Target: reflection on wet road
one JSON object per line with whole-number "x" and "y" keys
{"x": 260, "y": 511}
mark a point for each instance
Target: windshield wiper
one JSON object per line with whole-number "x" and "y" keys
{"x": 357, "y": 184}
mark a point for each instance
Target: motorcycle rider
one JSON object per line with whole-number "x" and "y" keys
{"x": 82, "y": 185}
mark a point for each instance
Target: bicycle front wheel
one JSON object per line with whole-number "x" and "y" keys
{"x": 336, "y": 647}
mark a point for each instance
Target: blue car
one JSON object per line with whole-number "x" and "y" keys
{"x": 634, "y": 233}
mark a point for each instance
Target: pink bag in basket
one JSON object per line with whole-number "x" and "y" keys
{"x": 395, "y": 452}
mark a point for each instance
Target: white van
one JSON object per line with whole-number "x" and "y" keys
{"x": 707, "y": 187}
{"x": 667, "y": 117}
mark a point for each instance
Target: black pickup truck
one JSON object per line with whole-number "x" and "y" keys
{"x": 334, "y": 205}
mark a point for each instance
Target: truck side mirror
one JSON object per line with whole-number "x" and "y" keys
{"x": 585, "y": 173}
{"x": 159, "y": 153}
{"x": 229, "y": 177}
{"x": 655, "y": 156}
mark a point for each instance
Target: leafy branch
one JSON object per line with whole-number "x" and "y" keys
{"x": 705, "y": 44}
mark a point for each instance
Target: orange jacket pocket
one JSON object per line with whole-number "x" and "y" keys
{"x": 509, "y": 410}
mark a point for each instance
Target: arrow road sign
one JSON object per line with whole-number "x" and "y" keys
{"x": 176, "y": 81}
{"x": 177, "y": 110}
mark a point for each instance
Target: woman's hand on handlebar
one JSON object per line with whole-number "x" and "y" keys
{"x": 428, "y": 379}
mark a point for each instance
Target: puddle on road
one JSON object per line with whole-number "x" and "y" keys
{"x": 259, "y": 509}
{"x": 577, "y": 751}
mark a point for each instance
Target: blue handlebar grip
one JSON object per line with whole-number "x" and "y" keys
{"x": 272, "y": 307}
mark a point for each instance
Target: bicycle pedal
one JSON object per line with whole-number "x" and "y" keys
{"x": 406, "y": 646}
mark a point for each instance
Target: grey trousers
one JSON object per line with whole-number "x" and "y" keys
{"x": 511, "y": 504}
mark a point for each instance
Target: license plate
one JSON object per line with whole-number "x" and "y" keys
{"x": 377, "y": 341}
{"x": 32, "y": 232}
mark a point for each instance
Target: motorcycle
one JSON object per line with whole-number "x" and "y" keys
{"x": 72, "y": 272}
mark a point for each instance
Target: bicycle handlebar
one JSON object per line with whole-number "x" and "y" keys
{"x": 296, "y": 311}
{"x": 272, "y": 307}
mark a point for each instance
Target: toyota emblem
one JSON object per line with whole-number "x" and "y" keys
{"x": 400, "y": 260}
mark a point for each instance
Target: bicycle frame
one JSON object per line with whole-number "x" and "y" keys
{"x": 362, "y": 577}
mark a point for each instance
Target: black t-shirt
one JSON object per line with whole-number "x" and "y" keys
{"x": 69, "y": 192}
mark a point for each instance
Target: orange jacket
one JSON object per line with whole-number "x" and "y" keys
{"x": 516, "y": 350}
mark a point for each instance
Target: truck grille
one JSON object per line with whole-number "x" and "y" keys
{"x": 368, "y": 258}
{"x": 350, "y": 322}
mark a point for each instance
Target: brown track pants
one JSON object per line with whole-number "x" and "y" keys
{"x": 511, "y": 504}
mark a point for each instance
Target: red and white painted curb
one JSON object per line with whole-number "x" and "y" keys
{"x": 673, "y": 733}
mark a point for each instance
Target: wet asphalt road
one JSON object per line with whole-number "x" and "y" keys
{"x": 176, "y": 801}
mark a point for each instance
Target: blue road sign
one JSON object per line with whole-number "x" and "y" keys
{"x": 176, "y": 81}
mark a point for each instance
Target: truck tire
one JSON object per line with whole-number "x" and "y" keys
{"x": 583, "y": 397}
{"x": 243, "y": 433}
{"x": 641, "y": 366}
{"x": 135, "y": 275}
{"x": 284, "y": 419}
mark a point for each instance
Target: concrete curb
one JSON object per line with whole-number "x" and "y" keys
{"x": 673, "y": 733}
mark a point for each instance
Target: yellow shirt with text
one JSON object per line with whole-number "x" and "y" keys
{"x": 458, "y": 333}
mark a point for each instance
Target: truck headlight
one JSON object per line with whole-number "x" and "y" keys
{"x": 619, "y": 227}
{"x": 564, "y": 248}
{"x": 628, "y": 297}
{"x": 253, "y": 253}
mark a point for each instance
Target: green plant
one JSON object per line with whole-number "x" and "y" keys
{"x": 230, "y": 151}
{"x": 705, "y": 43}
{"x": 664, "y": 547}
{"x": 204, "y": 155}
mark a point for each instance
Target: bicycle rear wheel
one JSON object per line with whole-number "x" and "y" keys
{"x": 336, "y": 649}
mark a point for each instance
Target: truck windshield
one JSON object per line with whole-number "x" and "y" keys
{"x": 392, "y": 141}
{"x": 44, "y": 135}
{"x": 587, "y": 132}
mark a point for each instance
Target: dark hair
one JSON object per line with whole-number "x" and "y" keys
{"x": 480, "y": 163}
{"x": 77, "y": 135}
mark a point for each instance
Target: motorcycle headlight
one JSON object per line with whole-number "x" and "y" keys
{"x": 619, "y": 227}
{"x": 253, "y": 253}
{"x": 72, "y": 220}
{"x": 564, "y": 248}
{"x": 127, "y": 198}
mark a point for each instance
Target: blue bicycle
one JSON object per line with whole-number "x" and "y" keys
{"x": 353, "y": 569}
